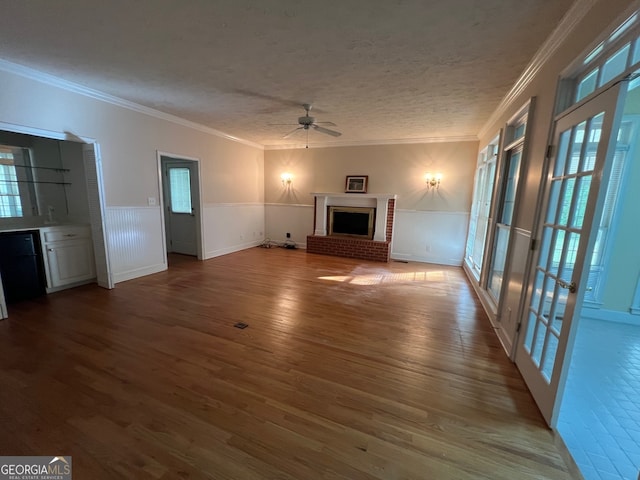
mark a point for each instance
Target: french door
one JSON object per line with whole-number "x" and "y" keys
{"x": 582, "y": 146}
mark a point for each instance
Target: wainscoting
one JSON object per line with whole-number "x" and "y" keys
{"x": 281, "y": 218}
{"x": 432, "y": 237}
{"x": 135, "y": 235}
{"x": 231, "y": 227}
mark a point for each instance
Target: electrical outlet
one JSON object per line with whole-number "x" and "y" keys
{"x": 288, "y": 235}
{"x": 428, "y": 248}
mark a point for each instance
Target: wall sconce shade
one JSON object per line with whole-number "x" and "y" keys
{"x": 433, "y": 181}
{"x": 286, "y": 178}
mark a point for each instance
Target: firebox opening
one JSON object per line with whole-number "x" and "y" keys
{"x": 352, "y": 221}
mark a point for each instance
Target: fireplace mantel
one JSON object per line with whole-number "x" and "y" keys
{"x": 379, "y": 201}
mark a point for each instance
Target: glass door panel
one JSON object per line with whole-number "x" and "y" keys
{"x": 582, "y": 148}
{"x": 503, "y": 227}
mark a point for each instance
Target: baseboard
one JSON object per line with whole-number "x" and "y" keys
{"x": 489, "y": 308}
{"x": 426, "y": 259}
{"x": 232, "y": 249}
{"x": 138, "y": 272}
{"x": 70, "y": 285}
{"x": 610, "y": 316}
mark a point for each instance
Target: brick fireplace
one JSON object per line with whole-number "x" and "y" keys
{"x": 378, "y": 249}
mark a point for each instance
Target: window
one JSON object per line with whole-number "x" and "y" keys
{"x": 10, "y": 203}
{"x": 180, "y": 187}
{"x": 506, "y": 200}
{"x": 609, "y": 59}
{"x": 480, "y": 207}
{"x": 505, "y": 217}
{"x": 616, "y": 55}
{"x": 627, "y": 138}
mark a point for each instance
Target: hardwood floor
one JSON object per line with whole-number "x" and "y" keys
{"x": 348, "y": 370}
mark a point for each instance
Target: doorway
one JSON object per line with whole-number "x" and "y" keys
{"x": 83, "y": 185}
{"x": 572, "y": 201}
{"x": 181, "y": 205}
{"x": 600, "y": 408}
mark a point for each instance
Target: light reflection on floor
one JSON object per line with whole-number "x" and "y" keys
{"x": 389, "y": 278}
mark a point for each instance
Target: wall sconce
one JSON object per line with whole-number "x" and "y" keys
{"x": 286, "y": 178}
{"x": 433, "y": 181}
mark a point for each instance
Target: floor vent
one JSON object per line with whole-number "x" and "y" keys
{"x": 241, "y": 325}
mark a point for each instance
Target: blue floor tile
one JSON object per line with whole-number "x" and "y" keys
{"x": 600, "y": 413}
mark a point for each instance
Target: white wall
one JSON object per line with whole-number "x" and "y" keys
{"x": 295, "y": 219}
{"x": 229, "y": 227}
{"x": 430, "y": 236}
{"x": 76, "y": 192}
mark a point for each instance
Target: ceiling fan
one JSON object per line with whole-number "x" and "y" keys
{"x": 306, "y": 122}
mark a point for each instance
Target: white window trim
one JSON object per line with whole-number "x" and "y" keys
{"x": 486, "y": 157}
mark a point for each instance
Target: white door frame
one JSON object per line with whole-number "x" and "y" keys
{"x": 548, "y": 395}
{"x": 198, "y": 214}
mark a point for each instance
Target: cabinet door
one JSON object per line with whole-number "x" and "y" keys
{"x": 70, "y": 262}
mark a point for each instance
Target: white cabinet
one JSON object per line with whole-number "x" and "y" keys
{"x": 68, "y": 256}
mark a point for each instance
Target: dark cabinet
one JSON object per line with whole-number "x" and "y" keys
{"x": 21, "y": 266}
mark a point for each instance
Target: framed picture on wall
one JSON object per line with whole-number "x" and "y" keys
{"x": 356, "y": 184}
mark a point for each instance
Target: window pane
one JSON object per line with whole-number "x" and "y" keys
{"x": 538, "y": 343}
{"x": 566, "y": 197}
{"x": 10, "y": 203}
{"x": 550, "y": 355}
{"x": 615, "y": 65}
{"x": 593, "y": 138}
{"x": 587, "y": 85}
{"x": 519, "y": 131}
{"x": 499, "y": 259}
{"x": 569, "y": 260}
{"x": 584, "y": 186}
{"x": 557, "y": 245}
{"x": 510, "y": 188}
{"x": 180, "y": 185}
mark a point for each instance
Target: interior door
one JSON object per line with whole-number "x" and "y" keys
{"x": 582, "y": 146}
{"x": 180, "y": 182}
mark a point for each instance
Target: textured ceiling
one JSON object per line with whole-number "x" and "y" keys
{"x": 379, "y": 69}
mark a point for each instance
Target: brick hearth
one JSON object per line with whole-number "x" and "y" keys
{"x": 340, "y": 246}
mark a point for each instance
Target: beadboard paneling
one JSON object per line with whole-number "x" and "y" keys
{"x": 135, "y": 236}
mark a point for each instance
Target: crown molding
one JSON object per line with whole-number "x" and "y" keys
{"x": 567, "y": 24}
{"x": 54, "y": 81}
{"x": 363, "y": 143}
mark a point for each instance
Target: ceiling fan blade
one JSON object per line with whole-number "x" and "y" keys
{"x": 292, "y": 132}
{"x": 328, "y": 124}
{"x": 333, "y": 133}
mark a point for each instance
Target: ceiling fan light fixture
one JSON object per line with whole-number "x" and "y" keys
{"x": 305, "y": 122}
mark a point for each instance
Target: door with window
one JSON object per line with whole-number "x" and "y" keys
{"x": 180, "y": 183}
{"x": 582, "y": 148}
